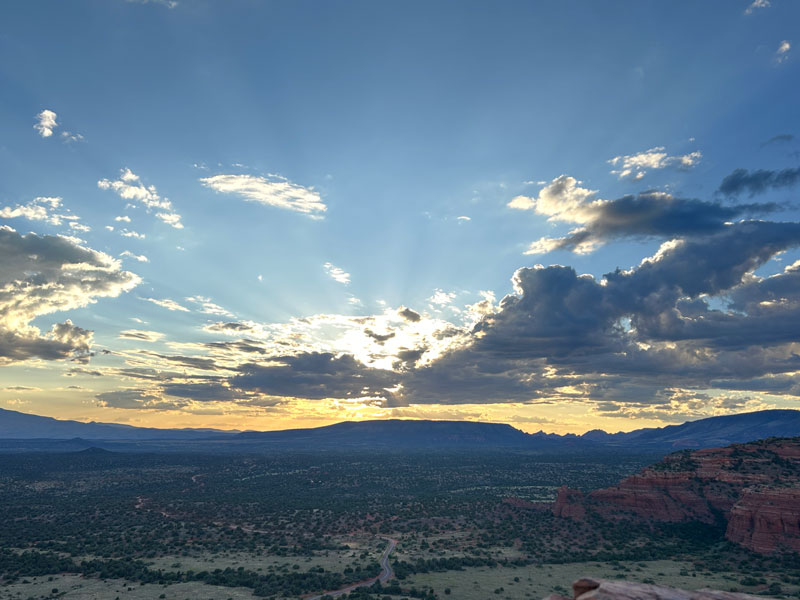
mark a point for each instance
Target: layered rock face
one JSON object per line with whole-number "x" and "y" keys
{"x": 766, "y": 520}
{"x": 755, "y": 487}
{"x": 601, "y": 589}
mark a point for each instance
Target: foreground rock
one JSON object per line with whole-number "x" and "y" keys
{"x": 601, "y": 589}
{"x": 754, "y": 488}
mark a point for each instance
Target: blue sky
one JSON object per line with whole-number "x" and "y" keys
{"x": 262, "y": 189}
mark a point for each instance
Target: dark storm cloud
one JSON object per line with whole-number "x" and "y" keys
{"x": 758, "y": 182}
{"x": 655, "y": 214}
{"x": 314, "y": 375}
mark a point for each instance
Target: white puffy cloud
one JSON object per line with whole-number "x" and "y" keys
{"x": 636, "y": 166}
{"x": 46, "y": 123}
{"x": 272, "y": 190}
{"x": 129, "y": 186}
{"x": 41, "y": 208}
{"x": 139, "y": 257}
{"x": 336, "y": 273}
{"x": 40, "y": 275}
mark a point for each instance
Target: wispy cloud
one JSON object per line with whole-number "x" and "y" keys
{"x": 272, "y": 190}
{"x": 168, "y": 304}
{"x": 336, "y": 273}
{"x": 141, "y": 334}
{"x": 129, "y": 186}
{"x": 636, "y": 166}
{"x": 46, "y": 123}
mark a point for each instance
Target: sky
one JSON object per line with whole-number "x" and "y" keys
{"x": 264, "y": 215}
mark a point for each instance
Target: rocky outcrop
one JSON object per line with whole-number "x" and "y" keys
{"x": 766, "y": 520}
{"x": 753, "y": 487}
{"x": 569, "y": 504}
{"x": 601, "y": 589}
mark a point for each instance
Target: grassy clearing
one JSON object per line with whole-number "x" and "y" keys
{"x": 509, "y": 583}
{"x": 74, "y": 587}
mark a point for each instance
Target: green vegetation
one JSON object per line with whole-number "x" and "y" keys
{"x": 286, "y": 525}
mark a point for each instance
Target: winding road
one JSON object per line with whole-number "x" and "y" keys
{"x": 385, "y": 575}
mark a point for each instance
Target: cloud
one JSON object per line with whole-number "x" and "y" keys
{"x": 442, "y": 298}
{"x": 123, "y": 218}
{"x": 168, "y": 304}
{"x": 137, "y": 257}
{"x": 315, "y": 376}
{"x": 649, "y": 214}
{"x": 336, "y": 273}
{"x": 409, "y": 314}
{"x": 636, "y": 166}
{"x": 41, "y": 275}
{"x": 130, "y": 187}
{"x": 562, "y": 335}
{"x": 140, "y": 334}
{"x": 272, "y": 190}
{"x": 782, "y": 53}
{"x": 46, "y": 123}
{"x": 168, "y": 3}
{"x": 758, "y": 182}
{"x": 208, "y": 307}
{"x": 779, "y": 139}
{"x": 756, "y": 5}
{"x": 131, "y": 234}
{"x": 41, "y": 208}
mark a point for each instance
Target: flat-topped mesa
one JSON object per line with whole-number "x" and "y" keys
{"x": 754, "y": 487}
{"x": 602, "y": 589}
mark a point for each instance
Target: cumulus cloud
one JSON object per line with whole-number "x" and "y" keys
{"x": 48, "y": 209}
{"x": 129, "y": 187}
{"x": 336, "y": 273}
{"x": 46, "y": 123}
{"x": 636, "y": 166}
{"x": 41, "y": 275}
{"x": 648, "y": 214}
{"x": 272, "y": 190}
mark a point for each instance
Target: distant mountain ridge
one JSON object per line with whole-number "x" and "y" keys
{"x": 710, "y": 432}
{"x": 19, "y": 425}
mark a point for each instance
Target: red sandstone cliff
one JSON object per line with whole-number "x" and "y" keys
{"x": 755, "y": 487}
{"x": 766, "y": 520}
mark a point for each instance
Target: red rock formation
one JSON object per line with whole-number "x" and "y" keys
{"x": 602, "y": 589}
{"x": 569, "y": 504}
{"x": 766, "y": 520}
{"x": 747, "y": 484}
